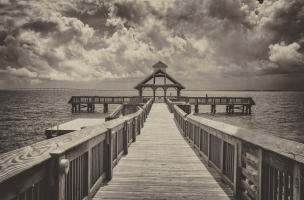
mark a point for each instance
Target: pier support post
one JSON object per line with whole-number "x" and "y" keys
{"x": 178, "y": 92}
{"x": 248, "y": 109}
{"x": 213, "y": 109}
{"x": 74, "y": 108}
{"x": 232, "y": 109}
{"x": 154, "y": 92}
{"x": 105, "y": 108}
{"x": 89, "y": 108}
{"x": 196, "y": 109}
{"x": 165, "y": 92}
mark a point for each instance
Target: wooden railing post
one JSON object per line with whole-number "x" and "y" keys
{"x": 109, "y": 156}
{"x": 209, "y": 148}
{"x": 89, "y": 164}
{"x": 135, "y": 128}
{"x": 222, "y": 156}
{"x": 140, "y": 123}
{"x": 125, "y": 138}
{"x": 60, "y": 167}
{"x": 297, "y": 182}
{"x": 260, "y": 174}
{"x": 186, "y": 128}
{"x": 238, "y": 169}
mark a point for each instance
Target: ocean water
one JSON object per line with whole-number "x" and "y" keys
{"x": 277, "y": 113}
{"x": 24, "y": 115}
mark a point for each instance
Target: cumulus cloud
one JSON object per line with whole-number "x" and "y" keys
{"x": 89, "y": 40}
{"x": 23, "y": 72}
{"x": 287, "y": 57}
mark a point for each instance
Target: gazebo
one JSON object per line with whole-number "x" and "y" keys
{"x": 168, "y": 81}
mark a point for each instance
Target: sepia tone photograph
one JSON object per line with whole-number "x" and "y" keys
{"x": 151, "y": 99}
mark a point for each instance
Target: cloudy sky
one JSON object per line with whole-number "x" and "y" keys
{"x": 111, "y": 44}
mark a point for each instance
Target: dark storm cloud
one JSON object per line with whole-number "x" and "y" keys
{"x": 230, "y": 10}
{"x": 129, "y": 11}
{"x": 287, "y": 21}
{"x": 41, "y": 26}
{"x": 92, "y": 13}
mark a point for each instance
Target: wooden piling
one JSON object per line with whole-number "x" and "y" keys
{"x": 196, "y": 109}
{"x": 105, "y": 108}
{"x": 213, "y": 108}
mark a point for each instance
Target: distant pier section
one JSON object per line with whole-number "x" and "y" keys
{"x": 233, "y": 104}
{"x": 242, "y": 104}
{"x": 80, "y": 103}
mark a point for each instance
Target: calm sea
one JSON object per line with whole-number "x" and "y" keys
{"x": 26, "y": 114}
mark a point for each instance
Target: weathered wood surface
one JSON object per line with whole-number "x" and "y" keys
{"x": 161, "y": 165}
{"x": 287, "y": 148}
{"x": 19, "y": 160}
{"x": 77, "y": 124}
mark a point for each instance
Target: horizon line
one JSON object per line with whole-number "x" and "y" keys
{"x": 94, "y": 89}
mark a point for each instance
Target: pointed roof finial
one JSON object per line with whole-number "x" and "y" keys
{"x": 160, "y": 65}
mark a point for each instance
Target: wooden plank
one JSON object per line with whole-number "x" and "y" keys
{"x": 161, "y": 165}
{"x": 252, "y": 176}
{"x": 77, "y": 124}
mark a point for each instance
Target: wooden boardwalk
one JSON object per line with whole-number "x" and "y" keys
{"x": 162, "y": 165}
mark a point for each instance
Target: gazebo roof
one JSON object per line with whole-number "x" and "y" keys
{"x": 159, "y": 65}
{"x": 159, "y": 71}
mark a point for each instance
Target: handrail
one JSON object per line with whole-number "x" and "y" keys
{"x": 102, "y": 99}
{"x": 257, "y": 166}
{"x": 215, "y": 100}
{"x": 71, "y": 166}
{"x": 287, "y": 148}
{"x": 116, "y": 113}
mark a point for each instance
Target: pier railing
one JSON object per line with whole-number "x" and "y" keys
{"x": 116, "y": 113}
{"x": 104, "y": 99}
{"x": 215, "y": 100}
{"x": 256, "y": 166}
{"x": 71, "y": 166}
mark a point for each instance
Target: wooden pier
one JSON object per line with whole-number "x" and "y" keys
{"x": 222, "y": 161}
